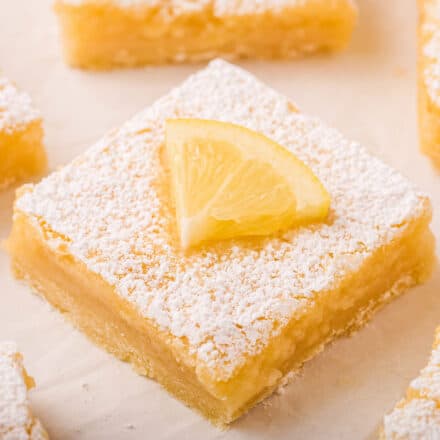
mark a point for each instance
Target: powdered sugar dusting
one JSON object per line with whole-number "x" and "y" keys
{"x": 417, "y": 420}
{"x": 428, "y": 383}
{"x": 16, "y": 419}
{"x": 16, "y": 110}
{"x": 218, "y": 7}
{"x": 419, "y": 417}
{"x": 110, "y": 208}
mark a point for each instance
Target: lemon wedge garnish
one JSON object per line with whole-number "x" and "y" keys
{"x": 229, "y": 182}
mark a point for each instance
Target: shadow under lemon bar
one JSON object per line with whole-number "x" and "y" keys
{"x": 102, "y": 34}
{"x": 221, "y": 326}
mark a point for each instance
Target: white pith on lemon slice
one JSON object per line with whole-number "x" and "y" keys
{"x": 229, "y": 182}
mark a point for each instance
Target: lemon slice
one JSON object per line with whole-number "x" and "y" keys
{"x": 230, "y": 181}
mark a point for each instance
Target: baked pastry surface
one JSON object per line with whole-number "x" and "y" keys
{"x": 220, "y": 326}
{"x": 22, "y": 153}
{"x": 102, "y": 34}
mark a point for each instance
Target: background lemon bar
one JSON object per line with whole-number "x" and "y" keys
{"x": 417, "y": 416}
{"x": 108, "y": 33}
{"x": 21, "y": 135}
{"x": 221, "y": 326}
{"x": 16, "y": 419}
{"x": 429, "y": 78}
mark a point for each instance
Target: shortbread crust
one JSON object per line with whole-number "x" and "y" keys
{"x": 221, "y": 326}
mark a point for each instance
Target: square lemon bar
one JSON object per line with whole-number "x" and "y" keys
{"x": 417, "y": 416}
{"x": 219, "y": 327}
{"x": 21, "y": 135}
{"x": 102, "y": 34}
{"x": 429, "y": 78}
{"x": 16, "y": 419}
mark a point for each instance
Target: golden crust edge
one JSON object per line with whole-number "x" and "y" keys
{"x": 362, "y": 316}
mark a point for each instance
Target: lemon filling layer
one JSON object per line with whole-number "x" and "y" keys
{"x": 109, "y": 34}
{"x": 21, "y": 154}
{"x": 96, "y": 309}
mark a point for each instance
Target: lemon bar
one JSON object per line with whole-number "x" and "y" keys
{"x": 102, "y": 34}
{"x": 429, "y": 78}
{"x": 21, "y": 135}
{"x": 16, "y": 419}
{"x": 220, "y": 326}
{"x": 417, "y": 416}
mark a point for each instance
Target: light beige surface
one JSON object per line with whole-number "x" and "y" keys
{"x": 369, "y": 94}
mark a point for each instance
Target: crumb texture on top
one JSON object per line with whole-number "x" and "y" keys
{"x": 218, "y": 7}
{"x": 418, "y": 416}
{"x": 110, "y": 209}
{"x": 16, "y": 109}
{"x": 16, "y": 419}
{"x": 419, "y": 419}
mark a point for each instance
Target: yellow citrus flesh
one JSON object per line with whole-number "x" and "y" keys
{"x": 230, "y": 181}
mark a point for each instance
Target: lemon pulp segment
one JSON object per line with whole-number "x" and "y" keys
{"x": 230, "y": 181}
